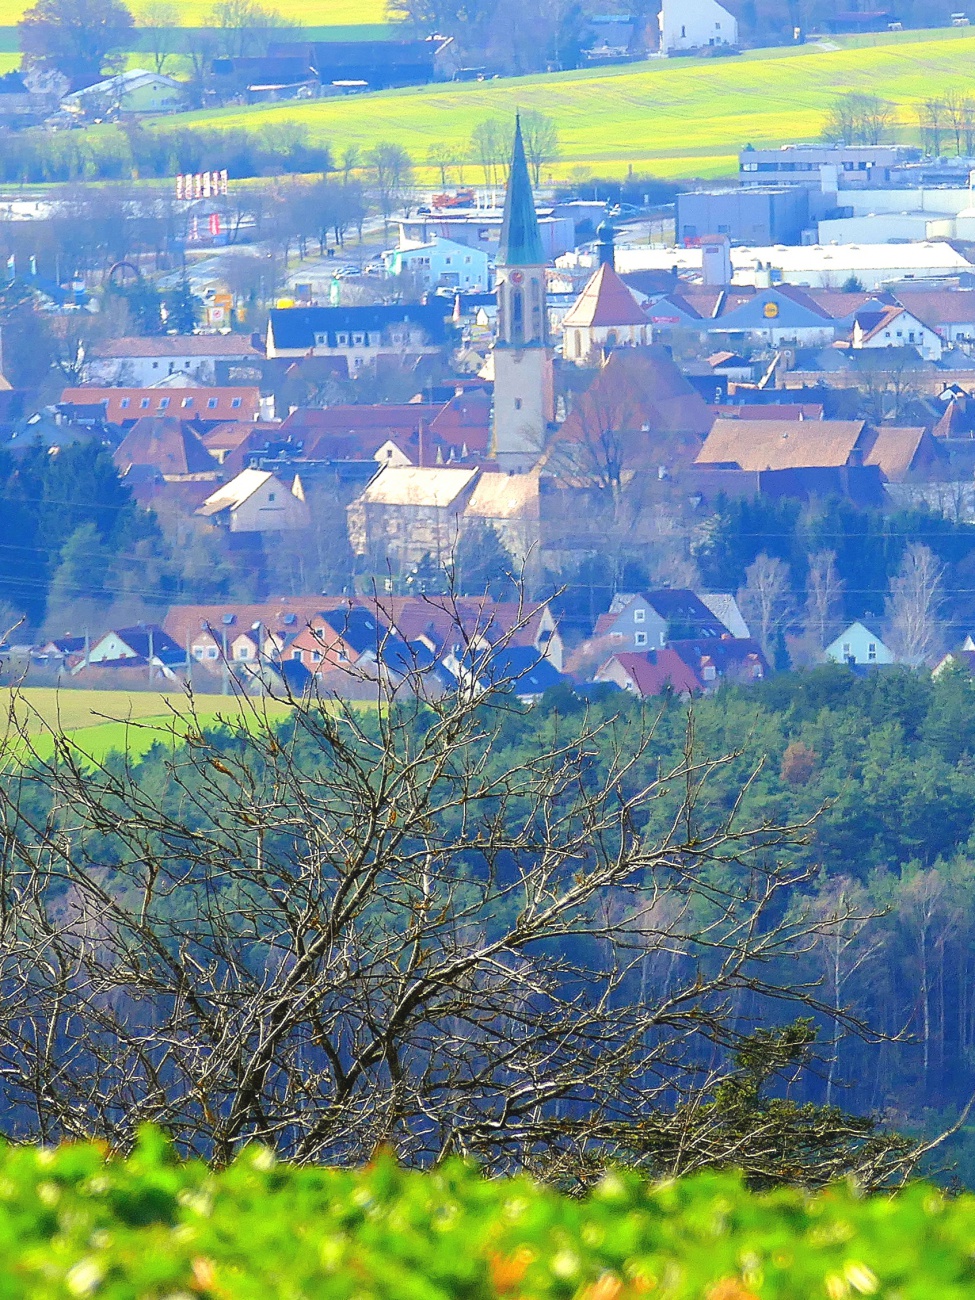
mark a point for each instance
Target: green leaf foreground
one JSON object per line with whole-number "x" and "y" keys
{"x": 75, "y": 1221}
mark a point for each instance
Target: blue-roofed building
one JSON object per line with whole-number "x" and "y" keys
{"x": 360, "y": 334}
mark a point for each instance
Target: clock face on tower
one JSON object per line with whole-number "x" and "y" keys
{"x": 517, "y": 277}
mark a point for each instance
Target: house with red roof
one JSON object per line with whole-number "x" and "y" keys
{"x": 649, "y": 674}
{"x": 605, "y": 315}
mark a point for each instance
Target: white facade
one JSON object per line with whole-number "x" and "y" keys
{"x": 901, "y": 331}
{"x": 814, "y": 267}
{"x": 147, "y": 371}
{"x": 694, "y": 25}
{"x": 440, "y": 263}
{"x": 858, "y": 645}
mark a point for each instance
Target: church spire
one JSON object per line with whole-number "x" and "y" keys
{"x": 521, "y": 243}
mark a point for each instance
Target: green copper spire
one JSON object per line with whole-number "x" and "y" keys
{"x": 521, "y": 244}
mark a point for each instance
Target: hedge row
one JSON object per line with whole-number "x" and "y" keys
{"x": 75, "y": 1223}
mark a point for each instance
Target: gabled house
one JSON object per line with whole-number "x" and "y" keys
{"x": 731, "y": 659}
{"x": 256, "y": 501}
{"x": 651, "y": 620}
{"x": 342, "y": 638}
{"x": 513, "y": 670}
{"x": 142, "y": 362}
{"x": 650, "y": 673}
{"x": 858, "y": 644}
{"x": 896, "y": 327}
{"x": 168, "y": 445}
{"x": 360, "y": 334}
{"x": 145, "y": 645}
{"x": 209, "y": 406}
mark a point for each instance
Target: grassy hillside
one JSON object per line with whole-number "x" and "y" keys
{"x": 310, "y": 13}
{"x": 100, "y": 722}
{"x": 675, "y": 118}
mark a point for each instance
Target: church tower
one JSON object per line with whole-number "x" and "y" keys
{"x": 523, "y": 381}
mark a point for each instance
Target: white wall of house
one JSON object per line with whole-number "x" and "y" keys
{"x": 441, "y": 263}
{"x": 859, "y": 645}
{"x": 143, "y": 372}
{"x": 580, "y": 342}
{"x": 904, "y": 331}
{"x": 695, "y": 24}
{"x": 271, "y": 508}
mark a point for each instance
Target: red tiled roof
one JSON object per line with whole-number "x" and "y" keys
{"x": 605, "y": 301}
{"x": 167, "y": 444}
{"x": 178, "y": 345}
{"x": 123, "y": 405}
{"x": 651, "y": 673}
{"x": 757, "y": 445}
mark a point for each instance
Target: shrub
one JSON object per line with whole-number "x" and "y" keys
{"x": 74, "y": 1222}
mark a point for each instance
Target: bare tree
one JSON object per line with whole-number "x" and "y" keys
{"x": 385, "y": 926}
{"x": 857, "y": 118}
{"x": 160, "y": 22}
{"x": 766, "y": 599}
{"x": 489, "y": 148}
{"x": 351, "y": 159}
{"x": 442, "y": 156}
{"x": 243, "y": 26}
{"x": 392, "y": 173}
{"x": 541, "y": 139}
{"x": 913, "y": 604}
{"x": 824, "y": 598}
{"x": 955, "y": 112}
{"x": 931, "y": 120}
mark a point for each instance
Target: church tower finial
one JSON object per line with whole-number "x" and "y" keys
{"x": 523, "y": 383}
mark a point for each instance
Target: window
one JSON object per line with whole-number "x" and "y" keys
{"x": 316, "y": 656}
{"x": 343, "y": 340}
{"x": 846, "y": 647}
{"x": 639, "y": 616}
{"x": 163, "y": 403}
{"x": 187, "y": 401}
{"x": 872, "y": 650}
{"x": 235, "y": 403}
{"x": 144, "y": 404}
{"x": 125, "y": 403}
{"x": 271, "y": 496}
{"x": 683, "y": 31}
{"x": 155, "y": 365}
{"x": 198, "y": 652}
{"x": 211, "y": 403}
{"x": 357, "y": 340}
{"x": 517, "y": 403}
{"x": 709, "y": 673}
{"x": 243, "y": 652}
{"x": 639, "y": 638}
{"x": 296, "y": 655}
{"x": 211, "y": 652}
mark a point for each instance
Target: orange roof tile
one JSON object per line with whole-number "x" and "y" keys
{"x": 605, "y": 301}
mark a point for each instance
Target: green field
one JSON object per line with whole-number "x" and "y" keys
{"x": 193, "y": 13}
{"x": 100, "y": 722}
{"x": 683, "y": 117}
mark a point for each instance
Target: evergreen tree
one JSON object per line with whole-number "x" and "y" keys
{"x": 483, "y": 564}
{"x": 182, "y": 309}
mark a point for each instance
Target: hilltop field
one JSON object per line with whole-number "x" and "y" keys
{"x": 101, "y": 722}
{"x": 193, "y": 13}
{"x": 682, "y": 117}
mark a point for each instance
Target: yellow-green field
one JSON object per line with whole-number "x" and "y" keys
{"x": 682, "y": 117}
{"x": 307, "y": 13}
{"x": 100, "y": 722}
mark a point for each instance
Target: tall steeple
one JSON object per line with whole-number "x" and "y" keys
{"x": 521, "y": 244}
{"x": 523, "y": 385}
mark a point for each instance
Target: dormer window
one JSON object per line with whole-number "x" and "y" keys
{"x": 144, "y": 404}
{"x": 211, "y": 403}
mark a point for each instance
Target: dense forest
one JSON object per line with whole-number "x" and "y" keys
{"x": 812, "y": 853}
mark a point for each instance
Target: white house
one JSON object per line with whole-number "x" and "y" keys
{"x": 142, "y": 363}
{"x": 257, "y": 502}
{"x": 896, "y": 327}
{"x": 440, "y": 264}
{"x": 858, "y": 645}
{"x": 134, "y": 91}
{"x": 694, "y": 25}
